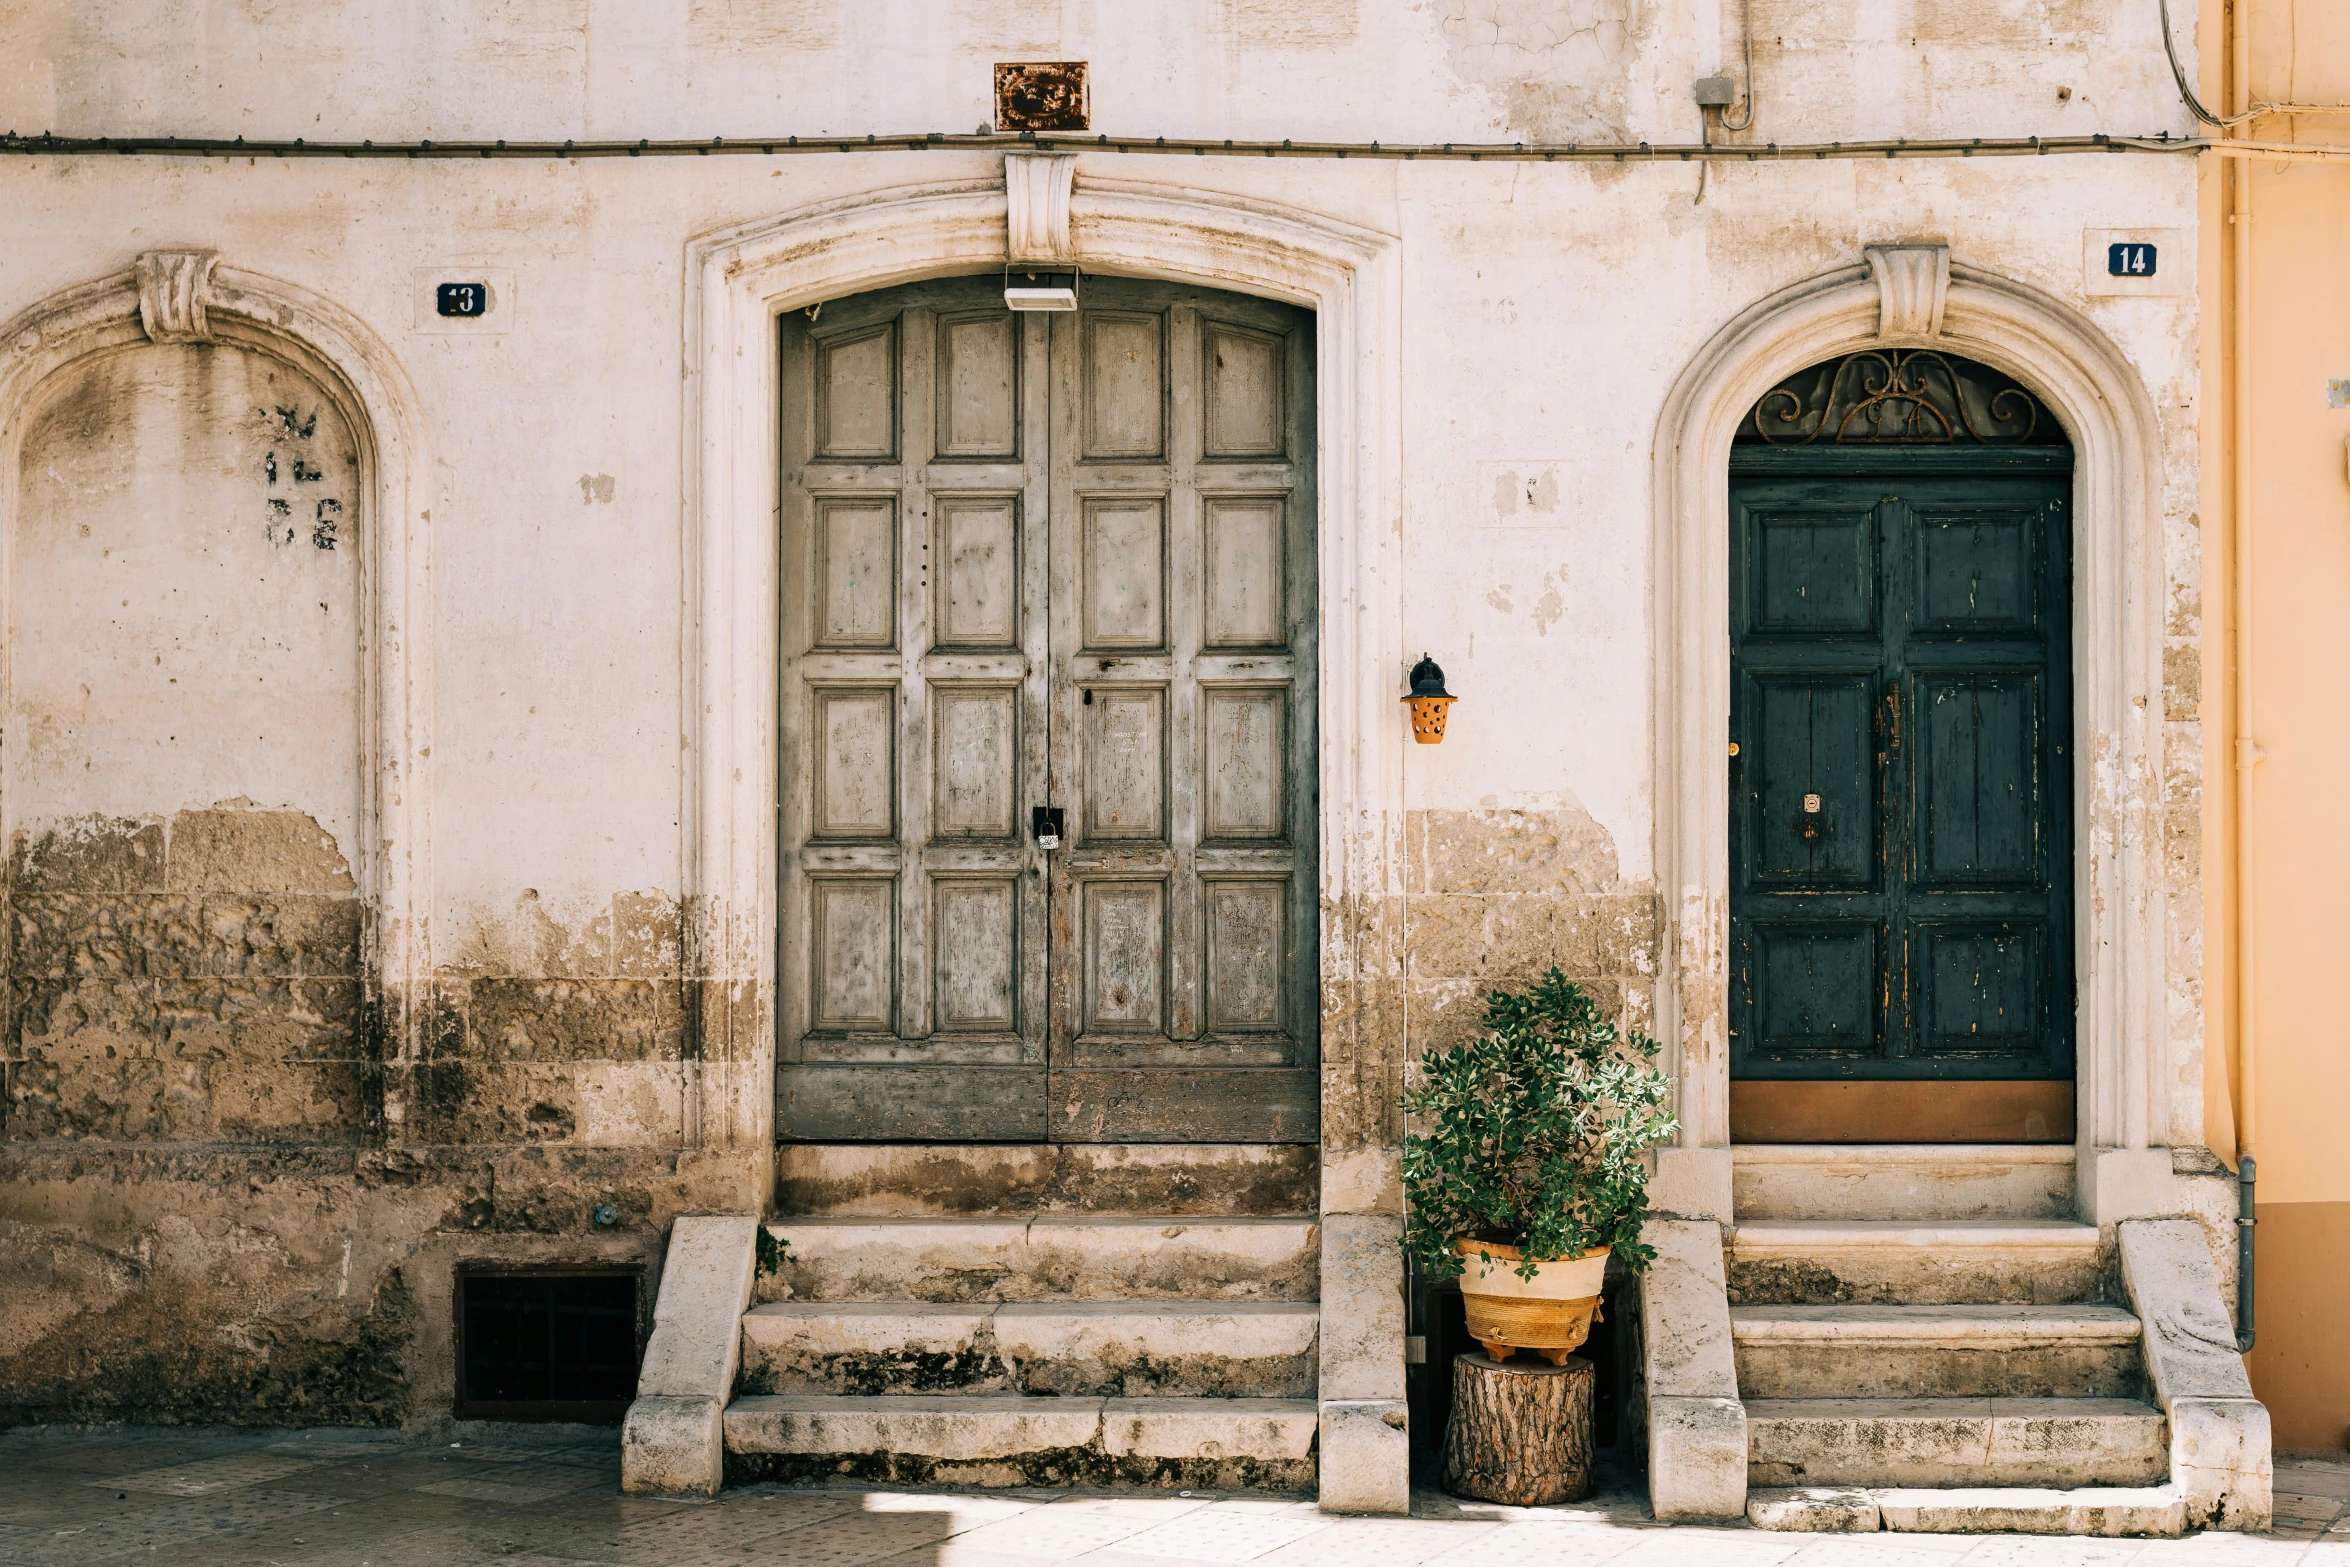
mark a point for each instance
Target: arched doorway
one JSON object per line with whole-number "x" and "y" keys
{"x": 1901, "y": 759}
{"x": 1047, "y": 719}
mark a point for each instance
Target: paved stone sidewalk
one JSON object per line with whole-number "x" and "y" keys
{"x": 549, "y": 1498}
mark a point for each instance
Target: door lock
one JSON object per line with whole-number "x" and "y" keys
{"x": 1045, "y": 821}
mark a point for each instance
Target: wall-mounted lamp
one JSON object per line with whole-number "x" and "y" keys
{"x": 1025, "y": 290}
{"x": 1429, "y": 699}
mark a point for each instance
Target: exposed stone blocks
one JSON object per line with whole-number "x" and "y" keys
{"x": 234, "y": 1193}
{"x": 1495, "y": 898}
{"x": 189, "y": 980}
{"x": 556, "y": 1030}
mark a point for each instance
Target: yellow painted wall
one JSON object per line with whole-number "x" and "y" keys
{"x": 2298, "y": 337}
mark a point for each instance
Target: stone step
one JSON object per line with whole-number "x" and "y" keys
{"x": 2090, "y": 1510}
{"x": 2074, "y": 1351}
{"x": 938, "y": 1180}
{"x": 1197, "y": 1443}
{"x": 1830, "y": 1262}
{"x": 1134, "y": 1349}
{"x": 1906, "y": 1181}
{"x": 1955, "y": 1441}
{"x": 1051, "y": 1257}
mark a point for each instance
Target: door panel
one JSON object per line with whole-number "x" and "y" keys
{"x": 856, "y": 573}
{"x": 1179, "y": 740}
{"x": 978, "y": 574}
{"x": 976, "y": 760}
{"x": 1122, "y": 942}
{"x": 1978, "y": 798}
{"x": 1246, "y": 768}
{"x": 976, "y": 958}
{"x": 911, "y": 985}
{"x": 856, "y": 376}
{"x": 1817, "y": 986}
{"x": 1244, "y": 599}
{"x": 1812, "y": 814}
{"x": 1037, "y": 561}
{"x": 978, "y": 385}
{"x": 1901, "y": 790}
{"x": 1125, "y": 581}
{"x": 1980, "y": 987}
{"x": 1812, "y": 569}
{"x": 1122, "y": 384}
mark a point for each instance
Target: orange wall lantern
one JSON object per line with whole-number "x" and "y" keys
{"x": 1429, "y": 699}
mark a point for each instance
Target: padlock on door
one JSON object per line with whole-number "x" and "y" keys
{"x": 1045, "y": 821}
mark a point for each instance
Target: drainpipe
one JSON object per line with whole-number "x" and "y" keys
{"x": 2248, "y": 751}
{"x": 2244, "y": 1223}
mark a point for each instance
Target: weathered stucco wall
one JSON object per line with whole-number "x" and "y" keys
{"x": 260, "y": 1191}
{"x": 2299, "y": 875}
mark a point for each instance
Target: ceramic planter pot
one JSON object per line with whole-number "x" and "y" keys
{"x": 1551, "y": 1313}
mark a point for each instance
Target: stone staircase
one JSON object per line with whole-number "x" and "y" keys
{"x": 1926, "y": 1340}
{"x": 988, "y": 1315}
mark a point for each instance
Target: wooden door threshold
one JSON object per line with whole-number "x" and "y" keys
{"x": 1771, "y": 1111}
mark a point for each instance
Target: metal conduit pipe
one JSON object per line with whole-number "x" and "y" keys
{"x": 143, "y": 145}
{"x": 2247, "y": 748}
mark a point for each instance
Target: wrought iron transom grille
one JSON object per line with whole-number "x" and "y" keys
{"x": 1899, "y": 397}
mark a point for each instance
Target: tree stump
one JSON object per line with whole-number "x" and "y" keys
{"x": 1520, "y": 1433}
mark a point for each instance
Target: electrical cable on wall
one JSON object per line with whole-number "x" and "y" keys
{"x": 2253, "y": 112}
{"x": 1746, "y": 37}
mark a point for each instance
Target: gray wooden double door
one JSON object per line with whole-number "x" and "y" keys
{"x": 1031, "y": 563}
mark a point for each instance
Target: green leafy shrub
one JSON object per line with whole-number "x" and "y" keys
{"x": 1539, "y": 1127}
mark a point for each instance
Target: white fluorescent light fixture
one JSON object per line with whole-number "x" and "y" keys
{"x": 1040, "y": 290}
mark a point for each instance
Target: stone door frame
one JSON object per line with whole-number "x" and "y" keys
{"x": 738, "y": 282}
{"x": 2130, "y": 1074}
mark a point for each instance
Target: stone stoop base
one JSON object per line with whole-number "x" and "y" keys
{"x": 1219, "y": 1444}
{"x": 2107, "y": 1511}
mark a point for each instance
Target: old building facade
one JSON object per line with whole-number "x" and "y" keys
{"x": 544, "y": 629}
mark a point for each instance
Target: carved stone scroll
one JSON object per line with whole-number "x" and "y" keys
{"x": 1036, "y": 191}
{"x": 1913, "y": 281}
{"x": 173, "y": 285}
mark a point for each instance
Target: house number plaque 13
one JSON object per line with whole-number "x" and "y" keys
{"x": 462, "y": 299}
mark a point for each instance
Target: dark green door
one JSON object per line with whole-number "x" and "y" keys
{"x": 1901, "y": 787}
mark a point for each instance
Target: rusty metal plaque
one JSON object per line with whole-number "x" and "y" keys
{"x": 1041, "y": 95}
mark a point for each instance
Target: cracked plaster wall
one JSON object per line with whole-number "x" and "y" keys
{"x": 1543, "y": 313}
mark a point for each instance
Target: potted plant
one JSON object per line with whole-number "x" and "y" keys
{"x": 1529, "y": 1175}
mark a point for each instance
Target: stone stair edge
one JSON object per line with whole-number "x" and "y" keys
{"x": 999, "y": 1440}
{"x": 1897, "y": 1154}
{"x": 779, "y": 1227}
{"x": 1105, "y": 1309}
{"x": 982, "y": 1405}
{"x": 1775, "y": 1234}
{"x": 1994, "y": 1406}
{"x": 1982, "y": 1324}
{"x": 2157, "y": 1510}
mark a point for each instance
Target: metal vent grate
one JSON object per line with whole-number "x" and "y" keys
{"x": 547, "y": 1345}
